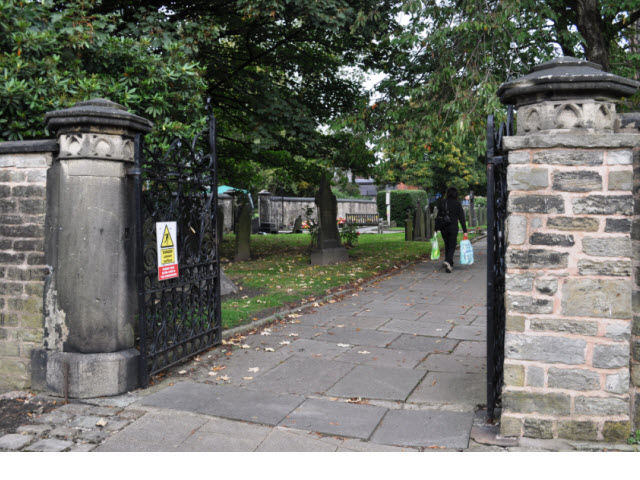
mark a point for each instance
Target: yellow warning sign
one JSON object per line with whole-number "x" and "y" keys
{"x": 168, "y": 256}
{"x": 167, "y": 241}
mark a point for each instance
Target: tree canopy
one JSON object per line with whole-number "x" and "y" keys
{"x": 443, "y": 69}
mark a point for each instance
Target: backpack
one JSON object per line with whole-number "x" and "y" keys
{"x": 443, "y": 219}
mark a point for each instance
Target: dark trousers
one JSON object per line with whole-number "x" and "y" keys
{"x": 450, "y": 237}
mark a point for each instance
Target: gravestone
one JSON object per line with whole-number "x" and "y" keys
{"x": 227, "y": 286}
{"x": 243, "y": 235}
{"x": 428, "y": 223}
{"x": 220, "y": 224}
{"x": 408, "y": 227}
{"x": 297, "y": 226}
{"x": 329, "y": 249}
{"x": 419, "y": 234}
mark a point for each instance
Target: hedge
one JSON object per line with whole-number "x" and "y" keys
{"x": 401, "y": 201}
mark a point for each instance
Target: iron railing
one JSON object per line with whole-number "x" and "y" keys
{"x": 497, "y": 195}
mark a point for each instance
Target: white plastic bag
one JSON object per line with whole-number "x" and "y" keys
{"x": 466, "y": 252}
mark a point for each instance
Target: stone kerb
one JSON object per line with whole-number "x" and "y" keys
{"x": 569, "y": 266}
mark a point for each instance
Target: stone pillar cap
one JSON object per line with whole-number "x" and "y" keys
{"x": 98, "y": 112}
{"x": 566, "y": 78}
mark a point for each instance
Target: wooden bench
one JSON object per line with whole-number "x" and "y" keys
{"x": 362, "y": 219}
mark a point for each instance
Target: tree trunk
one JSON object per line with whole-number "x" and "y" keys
{"x": 590, "y": 26}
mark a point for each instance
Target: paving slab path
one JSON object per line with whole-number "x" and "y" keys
{"x": 398, "y": 365}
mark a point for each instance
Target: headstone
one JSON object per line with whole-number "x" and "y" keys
{"x": 472, "y": 212}
{"x": 220, "y": 223}
{"x": 243, "y": 235}
{"x": 419, "y": 234}
{"x": 297, "y": 226}
{"x": 227, "y": 287}
{"x": 428, "y": 227}
{"x": 329, "y": 249}
{"x": 408, "y": 227}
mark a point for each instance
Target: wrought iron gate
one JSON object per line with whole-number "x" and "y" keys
{"x": 497, "y": 195}
{"x": 178, "y": 317}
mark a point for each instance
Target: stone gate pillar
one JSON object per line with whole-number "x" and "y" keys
{"x": 264, "y": 206}
{"x": 569, "y": 265}
{"x": 89, "y": 298}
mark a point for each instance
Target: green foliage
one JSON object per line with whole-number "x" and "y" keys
{"x": 480, "y": 201}
{"x": 52, "y": 56}
{"x": 443, "y": 68}
{"x": 634, "y": 438}
{"x": 349, "y": 235}
{"x": 401, "y": 201}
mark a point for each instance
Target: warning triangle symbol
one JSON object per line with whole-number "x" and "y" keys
{"x": 166, "y": 238}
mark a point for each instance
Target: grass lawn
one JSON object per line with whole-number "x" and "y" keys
{"x": 279, "y": 275}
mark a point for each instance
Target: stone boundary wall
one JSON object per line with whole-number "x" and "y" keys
{"x": 284, "y": 210}
{"x": 635, "y": 327}
{"x": 568, "y": 285}
{"x": 23, "y": 173}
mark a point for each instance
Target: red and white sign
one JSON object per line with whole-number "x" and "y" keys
{"x": 166, "y": 235}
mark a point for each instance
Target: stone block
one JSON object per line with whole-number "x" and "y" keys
{"x": 618, "y": 382}
{"x": 519, "y": 157}
{"x": 510, "y": 426}
{"x": 535, "y": 428}
{"x": 536, "y": 204}
{"x": 527, "y": 178}
{"x": 515, "y": 323}
{"x": 569, "y": 157}
{"x": 529, "y": 402}
{"x": 528, "y": 304}
{"x": 519, "y": 282}
{"x": 580, "y": 181}
{"x": 581, "y": 224}
{"x": 14, "y": 441}
{"x": 513, "y": 375}
{"x": 90, "y": 375}
{"x": 619, "y": 331}
{"x": 617, "y": 225}
{"x": 635, "y": 375}
{"x": 547, "y": 286}
{"x": 596, "y": 298}
{"x": 619, "y": 157}
{"x": 537, "y": 259}
{"x": 577, "y": 430}
{"x": 607, "y": 246}
{"x": 621, "y": 180}
{"x": 573, "y": 379}
{"x": 601, "y": 406}
{"x": 535, "y": 376}
{"x": 615, "y": 268}
{"x": 552, "y": 239}
{"x": 604, "y": 205}
{"x": 616, "y": 431}
{"x": 570, "y": 351}
{"x": 516, "y": 229}
{"x": 329, "y": 256}
{"x": 611, "y": 356}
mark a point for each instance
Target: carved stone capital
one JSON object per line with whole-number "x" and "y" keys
{"x": 588, "y": 116}
{"x": 95, "y": 146}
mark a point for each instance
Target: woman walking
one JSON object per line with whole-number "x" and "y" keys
{"x": 450, "y": 214}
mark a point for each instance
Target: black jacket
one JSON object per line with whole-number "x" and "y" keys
{"x": 455, "y": 212}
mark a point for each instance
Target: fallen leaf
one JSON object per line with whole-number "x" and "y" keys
{"x": 434, "y": 382}
{"x": 269, "y": 349}
{"x": 293, "y": 334}
{"x": 344, "y": 345}
{"x": 285, "y": 342}
{"x": 339, "y": 326}
{"x": 247, "y": 378}
{"x": 363, "y": 352}
{"x": 182, "y": 372}
{"x": 265, "y": 333}
{"x": 212, "y": 374}
{"x": 253, "y": 369}
{"x": 245, "y": 346}
{"x": 223, "y": 377}
{"x": 101, "y": 423}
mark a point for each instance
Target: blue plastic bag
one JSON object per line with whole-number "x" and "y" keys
{"x": 466, "y": 253}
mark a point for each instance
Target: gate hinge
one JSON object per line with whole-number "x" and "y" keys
{"x": 134, "y": 171}
{"x": 498, "y": 160}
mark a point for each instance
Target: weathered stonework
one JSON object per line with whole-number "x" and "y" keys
{"x": 570, "y": 257}
{"x": 23, "y": 169}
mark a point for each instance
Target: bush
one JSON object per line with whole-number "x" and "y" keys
{"x": 401, "y": 201}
